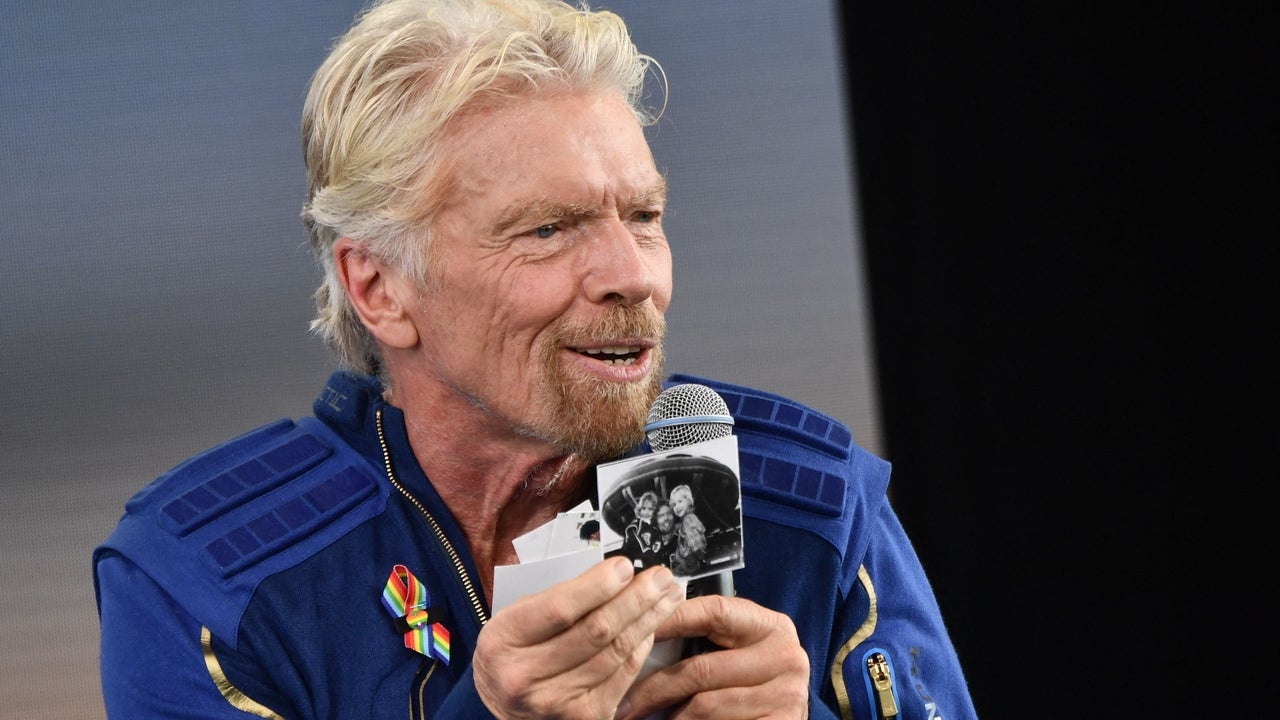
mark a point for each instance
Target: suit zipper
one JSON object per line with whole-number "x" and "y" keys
{"x": 881, "y": 675}
{"x": 476, "y": 605}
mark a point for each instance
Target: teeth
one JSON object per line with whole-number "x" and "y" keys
{"x": 625, "y": 354}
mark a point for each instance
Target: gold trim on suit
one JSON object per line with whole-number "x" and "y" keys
{"x": 864, "y": 632}
{"x": 238, "y": 699}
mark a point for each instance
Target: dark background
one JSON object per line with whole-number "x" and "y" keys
{"x": 1068, "y": 215}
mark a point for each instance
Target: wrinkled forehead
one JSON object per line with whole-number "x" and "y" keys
{"x": 585, "y": 139}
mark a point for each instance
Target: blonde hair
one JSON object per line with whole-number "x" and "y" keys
{"x": 684, "y": 492}
{"x": 381, "y": 103}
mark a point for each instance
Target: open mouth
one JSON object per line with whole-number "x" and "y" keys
{"x": 621, "y": 355}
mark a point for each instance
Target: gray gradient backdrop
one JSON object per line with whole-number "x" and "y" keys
{"x": 157, "y": 285}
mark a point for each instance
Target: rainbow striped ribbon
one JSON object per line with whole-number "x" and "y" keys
{"x": 405, "y": 597}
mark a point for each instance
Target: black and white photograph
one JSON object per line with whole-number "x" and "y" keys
{"x": 573, "y": 531}
{"x": 681, "y": 509}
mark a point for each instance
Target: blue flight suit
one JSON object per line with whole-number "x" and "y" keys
{"x": 248, "y": 581}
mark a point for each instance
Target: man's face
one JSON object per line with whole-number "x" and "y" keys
{"x": 666, "y": 518}
{"x": 554, "y": 274}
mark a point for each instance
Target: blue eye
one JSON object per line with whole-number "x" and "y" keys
{"x": 545, "y": 231}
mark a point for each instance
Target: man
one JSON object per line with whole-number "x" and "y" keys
{"x": 489, "y": 220}
{"x": 665, "y": 520}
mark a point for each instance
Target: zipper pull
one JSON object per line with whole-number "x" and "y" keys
{"x": 882, "y": 681}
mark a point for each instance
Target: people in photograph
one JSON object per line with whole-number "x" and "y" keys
{"x": 640, "y": 537}
{"x": 690, "y": 556}
{"x": 681, "y": 500}
{"x": 664, "y": 518}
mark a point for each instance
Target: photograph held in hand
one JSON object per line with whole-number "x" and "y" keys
{"x": 680, "y": 508}
{"x": 653, "y": 501}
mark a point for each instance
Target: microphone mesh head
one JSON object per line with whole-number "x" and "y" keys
{"x": 707, "y": 412}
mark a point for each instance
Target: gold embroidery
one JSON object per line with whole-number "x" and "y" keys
{"x": 238, "y": 699}
{"x": 422, "y": 689}
{"x": 864, "y": 632}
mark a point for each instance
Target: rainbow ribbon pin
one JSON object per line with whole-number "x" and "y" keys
{"x": 405, "y": 597}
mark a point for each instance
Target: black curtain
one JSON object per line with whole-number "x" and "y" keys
{"x": 1068, "y": 216}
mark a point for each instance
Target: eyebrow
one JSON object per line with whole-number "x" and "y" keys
{"x": 539, "y": 208}
{"x": 543, "y": 208}
{"x": 655, "y": 194}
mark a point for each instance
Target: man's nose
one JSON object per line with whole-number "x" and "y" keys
{"x": 617, "y": 267}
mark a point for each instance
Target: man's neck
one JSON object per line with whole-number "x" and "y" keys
{"x": 497, "y": 485}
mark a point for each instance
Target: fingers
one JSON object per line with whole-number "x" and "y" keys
{"x": 772, "y": 700}
{"x": 537, "y": 618}
{"x": 577, "y": 645}
{"x": 614, "y": 630}
{"x": 756, "y": 683}
{"x": 762, "y": 672}
{"x": 726, "y": 621}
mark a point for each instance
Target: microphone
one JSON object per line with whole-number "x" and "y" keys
{"x": 683, "y": 415}
{"x": 686, "y": 414}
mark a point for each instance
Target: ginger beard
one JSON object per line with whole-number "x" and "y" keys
{"x": 585, "y": 415}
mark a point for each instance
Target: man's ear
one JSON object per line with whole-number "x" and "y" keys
{"x": 378, "y": 293}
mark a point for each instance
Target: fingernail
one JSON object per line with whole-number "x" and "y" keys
{"x": 676, "y": 591}
{"x": 663, "y": 579}
{"x": 623, "y": 569}
{"x": 624, "y": 707}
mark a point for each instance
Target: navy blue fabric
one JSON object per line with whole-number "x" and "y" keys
{"x": 280, "y": 542}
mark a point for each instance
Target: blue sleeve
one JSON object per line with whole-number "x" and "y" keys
{"x": 902, "y": 631}
{"x": 152, "y": 662}
{"x": 818, "y": 710}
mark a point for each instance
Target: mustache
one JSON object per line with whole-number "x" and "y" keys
{"x": 623, "y": 322}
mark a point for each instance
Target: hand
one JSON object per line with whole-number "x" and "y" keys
{"x": 762, "y": 672}
{"x": 572, "y": 650}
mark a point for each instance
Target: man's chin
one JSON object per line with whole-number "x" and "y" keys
{"x": 603, "y": 422}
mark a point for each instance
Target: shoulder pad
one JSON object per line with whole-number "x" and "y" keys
{"x": 212, "y": 528}
{"x": 801, "y": 468}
